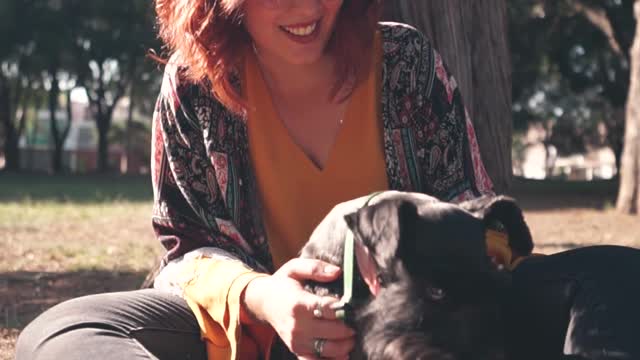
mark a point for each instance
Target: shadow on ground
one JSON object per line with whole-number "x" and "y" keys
{"x": 540, "y": 195}
{"x": 24, "y": 295}
{"x": 79, "y": 189}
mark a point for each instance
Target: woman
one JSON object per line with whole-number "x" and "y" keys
{"x": 271, "y": 112}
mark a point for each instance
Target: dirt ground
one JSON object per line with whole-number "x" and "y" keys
{"x": 563, "y": 216}
{"x": 559, "y": 216}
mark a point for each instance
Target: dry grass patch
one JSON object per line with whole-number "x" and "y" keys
{"x": 52, "y": 236}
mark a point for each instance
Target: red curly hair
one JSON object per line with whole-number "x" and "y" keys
{"x": 208, "y": 40}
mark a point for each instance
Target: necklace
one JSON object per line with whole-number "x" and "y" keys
{"x": 271, "y": 86}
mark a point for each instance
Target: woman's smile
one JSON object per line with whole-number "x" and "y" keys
{"x": 303, "y": 33}
{"x": 294, "y": 35}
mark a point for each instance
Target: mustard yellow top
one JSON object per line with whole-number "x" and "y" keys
{"x": 355, "y": 167}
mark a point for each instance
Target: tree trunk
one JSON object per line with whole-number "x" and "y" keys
{"x": 128, "y": 146}
{"x": 129, "y": 129}
{"x": 58, "y": 135}
{"x": 628, "y": 195}
{"x": 103, "y": 114}
{"x": 11, "y": 149}
{"x": 103, "y": 121}
{"x": 54, "y": 92}
{"x": 615, "y": 134}
{"x": 102, "y": 109}
{"x": 472, "y": 38}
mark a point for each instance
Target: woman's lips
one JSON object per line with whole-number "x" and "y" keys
{"x": 302, "y": 33}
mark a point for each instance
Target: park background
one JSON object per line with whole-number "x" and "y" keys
{"x": 553, "y": 87}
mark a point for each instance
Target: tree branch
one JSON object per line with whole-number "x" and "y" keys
{"x": 598, "y": 17}
{"x": 69, "y": 109}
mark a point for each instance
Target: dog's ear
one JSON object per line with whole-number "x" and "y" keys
{"x": 503, "y": 212}
{"x": 376, "y": 230}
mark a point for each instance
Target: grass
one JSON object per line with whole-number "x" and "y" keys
{"x": 74, "y": 189}
{"x": 73, "y": 223}
{"x": 559, "y": 194}
{"x": 67, "y": 236}
{"x": 549, "y": 187}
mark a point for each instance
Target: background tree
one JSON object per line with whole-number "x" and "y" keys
{"x": 53, "y": 54}
{"x": 571, "y": 69}
{"x": 629, "y": 194}
{"x": 111, "y": 41}
{"x": 146, "y": 79}
{"x": 58, "y": 45}
{"x": 16, "y": 75}
{"x": 472, "y": 38}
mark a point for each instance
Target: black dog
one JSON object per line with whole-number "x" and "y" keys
{"x": 576, "y": 304}
{"x": 425, "y": 287}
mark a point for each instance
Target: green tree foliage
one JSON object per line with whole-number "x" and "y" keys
{"x": 571, "y": 68}
{"x": 57, "y": 45}
{"x": 17, "y": 73}
{"x": 53, "y": 51}
{"x": 112, "y": 39}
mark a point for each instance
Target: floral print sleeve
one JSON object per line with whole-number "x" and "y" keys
{"x": 190, "y": 209}
{"x": 195, "y": 216}
{"x": 430, "y": 142}
{"x": 446, "y": 88}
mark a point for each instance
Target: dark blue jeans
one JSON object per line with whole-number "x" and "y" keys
{"x": 584, "y": 303}
{"x": 142, "y": 324}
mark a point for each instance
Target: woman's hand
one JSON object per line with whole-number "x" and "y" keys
{"x": 300, "y": 318}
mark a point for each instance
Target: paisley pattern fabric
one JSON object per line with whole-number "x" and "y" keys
{"x": 205, "y": 191}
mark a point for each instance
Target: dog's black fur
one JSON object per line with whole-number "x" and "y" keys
{"x": 441, "y": 293}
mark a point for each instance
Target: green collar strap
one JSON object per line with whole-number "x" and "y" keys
{"x": 348, "y": 267}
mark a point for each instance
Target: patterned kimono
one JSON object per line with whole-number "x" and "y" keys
{"x": 205, "y": 193}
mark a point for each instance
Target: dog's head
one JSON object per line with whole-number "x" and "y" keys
{"x": 436, "y": 291}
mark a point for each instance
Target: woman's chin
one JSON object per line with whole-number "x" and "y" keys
{"x": 304, "y": 58}
{"x": 303, "y": 61}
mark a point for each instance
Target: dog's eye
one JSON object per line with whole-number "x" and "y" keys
{"x": 435, "y": 293}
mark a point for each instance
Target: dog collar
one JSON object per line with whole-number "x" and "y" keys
{"x": 347, "y": 277}
{"x": 348, "y": 265}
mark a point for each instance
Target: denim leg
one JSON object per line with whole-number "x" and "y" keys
{"x": 142, "y": 324}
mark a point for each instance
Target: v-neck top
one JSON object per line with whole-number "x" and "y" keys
{"x": 295, "y": 193}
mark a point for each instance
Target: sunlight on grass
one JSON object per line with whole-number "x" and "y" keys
{"x": 62, "y": 236}
{"x": 72, "y": 223}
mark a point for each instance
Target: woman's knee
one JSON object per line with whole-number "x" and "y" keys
{"x": 60, "y": 324}
{"x": 103, "y": 323}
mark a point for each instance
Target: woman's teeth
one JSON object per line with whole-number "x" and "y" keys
{"x": 301, "y": 30}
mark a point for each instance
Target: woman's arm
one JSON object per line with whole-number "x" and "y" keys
{"x": 206, "y": 267}
{"x": 189, "y": 207}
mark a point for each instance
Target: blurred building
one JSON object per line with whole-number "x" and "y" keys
{"x": 80, "y": 147}
{"x": 537, "y": 160}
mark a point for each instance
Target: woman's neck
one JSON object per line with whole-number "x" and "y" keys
{"x": 293, "y": 80}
